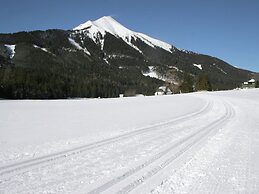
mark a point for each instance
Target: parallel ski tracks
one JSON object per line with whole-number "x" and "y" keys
{"x": 20, "y": 167}
{"x": 185, "y": 143}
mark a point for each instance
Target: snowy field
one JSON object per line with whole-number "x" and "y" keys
{"x": 205, "y": 142}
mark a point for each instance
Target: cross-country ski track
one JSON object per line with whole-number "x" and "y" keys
{"x": 208, "y": 144}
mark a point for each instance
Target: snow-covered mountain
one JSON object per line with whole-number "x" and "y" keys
{"x": 102, "y": 58}
{"x": 108, "y": 24}
{"x": 165, "y": 59}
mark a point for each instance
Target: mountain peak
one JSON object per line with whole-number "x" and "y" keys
{"x": 84, "y": 25}
{"x": 108, "y": 24}
{"x": 108, "y": 19}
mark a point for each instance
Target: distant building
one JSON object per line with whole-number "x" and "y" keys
{"x": 163, "y": 90}
{"x": 249, "y": 84}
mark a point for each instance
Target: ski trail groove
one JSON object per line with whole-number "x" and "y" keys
{"x": 21, "y": 166}
{"x": 212, "y": 127}
{"x": 197, "y": 136}
{"x": 164, "y": 132}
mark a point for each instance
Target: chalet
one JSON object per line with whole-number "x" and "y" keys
{"x": 163, "y": 90}
{"x": 249, "y": 84}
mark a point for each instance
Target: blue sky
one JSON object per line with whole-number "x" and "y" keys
{"x": 227, "y": 29}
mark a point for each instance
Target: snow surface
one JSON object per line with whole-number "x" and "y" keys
{"x": 11, "y": 49}
{"x": 205, "y": 142}
{"x": 108, "y": 24}
{"x": 106, "y": 61}
{"x": 74, "y": 43}
{"x": 176, "y": 68}
{"x": 154, "y": 42}
{"x": 43, "y": 49}
{"x": 198, "y": 66}
{"x": 220, "y": 69}
{"x": 153, "y": 73}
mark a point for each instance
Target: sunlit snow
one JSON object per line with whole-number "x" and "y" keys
{"x": 198, "y": 66}
{"x": 108, "y": 24}
{"x": 74, "y": 43}
{"x": 11, "y": 49}
{"x": 204, "y": 142}
{"x": 153, "y": 73}
{"x": 43, "y": 49}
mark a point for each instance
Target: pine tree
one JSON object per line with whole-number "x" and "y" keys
{"x": 187, "y": 85}
{"x": 203, "y": 83}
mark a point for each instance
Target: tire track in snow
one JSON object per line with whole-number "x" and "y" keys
{"x": 197, "y": 136}
{"x": 22, "y": 166}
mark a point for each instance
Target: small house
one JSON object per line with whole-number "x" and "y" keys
{"x": 163, "y": 90}
{"x": 249, "y": 84}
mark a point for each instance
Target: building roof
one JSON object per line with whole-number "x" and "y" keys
{"x": 163, "y": 88}
{"x": 251, "y": 80}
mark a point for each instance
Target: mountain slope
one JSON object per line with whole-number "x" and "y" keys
{"x": 108, "y": 24}
{"x": 101, "y": 58}
{"x": 163, "y": 55}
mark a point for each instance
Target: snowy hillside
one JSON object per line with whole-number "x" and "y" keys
{"x": 108, "y": 24}
{"x": 11, "y": 50}
{"x": 205, "y": 142}
{"x": 102, "y": 58}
